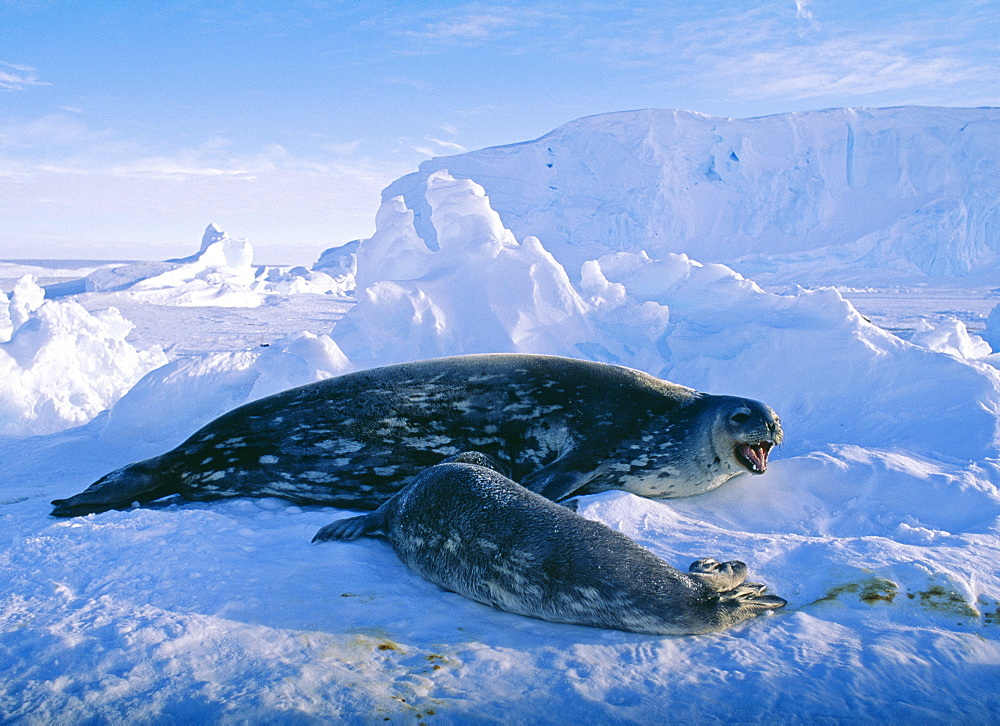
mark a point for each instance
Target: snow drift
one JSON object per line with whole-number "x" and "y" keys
{"x": 189, "y": 392}
{"x": 62, "y": 365}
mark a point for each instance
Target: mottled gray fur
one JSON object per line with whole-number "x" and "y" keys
{"x": 558, "y": 425}
{"x": 472, "y": 530}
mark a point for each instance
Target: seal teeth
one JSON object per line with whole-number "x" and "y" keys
{"x": 755, "y": 455}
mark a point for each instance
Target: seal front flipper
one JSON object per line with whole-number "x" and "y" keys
{"x": 720, "y": 576}
{"x": 750, "y": 598}
{"x": 144, "y": 481}
{"x": 555, "y": 481}
{"x": 354, "y": 527}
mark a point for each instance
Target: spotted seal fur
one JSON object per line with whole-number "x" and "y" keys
{"x": 473, "y": 531}
{"x": 559, "y": 425}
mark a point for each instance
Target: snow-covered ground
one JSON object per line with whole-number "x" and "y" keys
{"x": 879, "y": 519}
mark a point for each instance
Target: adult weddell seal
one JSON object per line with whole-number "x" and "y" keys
{"x": 471, "y": 530}
{"x": 559, "y": 425}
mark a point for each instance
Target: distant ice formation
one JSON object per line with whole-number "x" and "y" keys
{"x": 221, "y": 273}
{"x": 951, "y": 337}
{"x": 340, "y": 263}
{"x": 815, "y": 197}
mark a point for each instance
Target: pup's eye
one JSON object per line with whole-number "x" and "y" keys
{"x": 739, "y": 418}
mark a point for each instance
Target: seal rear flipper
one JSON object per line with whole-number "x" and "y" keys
{"x": 142, "y": 482}
{"x": 353, "y": 527}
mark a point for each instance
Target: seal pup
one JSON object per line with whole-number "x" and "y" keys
{"x": 559, "y": 425}
{"x": 473, "y": 531}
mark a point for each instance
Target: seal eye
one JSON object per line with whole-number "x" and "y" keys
{"x": 741, "y": 417}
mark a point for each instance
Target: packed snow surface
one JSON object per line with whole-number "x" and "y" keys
{"x": 878, "y": 520}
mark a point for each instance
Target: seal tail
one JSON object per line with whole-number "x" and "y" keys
{"x": 141, "y": 482}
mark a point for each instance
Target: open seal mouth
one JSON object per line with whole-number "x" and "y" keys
{"x": 754, "y": 455}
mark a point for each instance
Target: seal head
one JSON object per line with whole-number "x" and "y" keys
{"x": 747, "y": 427}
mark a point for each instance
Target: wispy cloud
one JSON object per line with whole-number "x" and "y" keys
{"x": 15, "y": 77}
{"x": 48, "y": 131}
{"x": 450, "y": 146}
{"x": 63, "y": 144}
{"x": 434, "y": 147}
{"x": 416, "y": 83}
{"x": 781, "y": 51}
{"x": 917, "y": 57}
{"x": 467, "y": 27}
{"x": 845, "y": 67}
{"x": 470, "y": 24}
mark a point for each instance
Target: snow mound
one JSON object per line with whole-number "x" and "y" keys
{"x": 191, "y": 391}
{"x": 301, "y": 281}
{"x": 479, "y": 291}
{"x": 833, "y": 376}
{"x": 26, "y": 297}
{"x": 800, "y": 197}
{"x": 341, "y": 264}
{"x": 952, "y": 337}
{"x": 62, "y": 365}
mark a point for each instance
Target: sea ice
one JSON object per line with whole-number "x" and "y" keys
{"x": 878, "y": 519}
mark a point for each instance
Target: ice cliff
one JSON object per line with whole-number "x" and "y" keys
{"x": 911, "y": 191}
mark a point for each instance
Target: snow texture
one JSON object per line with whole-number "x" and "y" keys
{"x": 878, "y": 520}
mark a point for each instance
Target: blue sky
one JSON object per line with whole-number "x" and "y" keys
{"x": 127, "y": 126}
